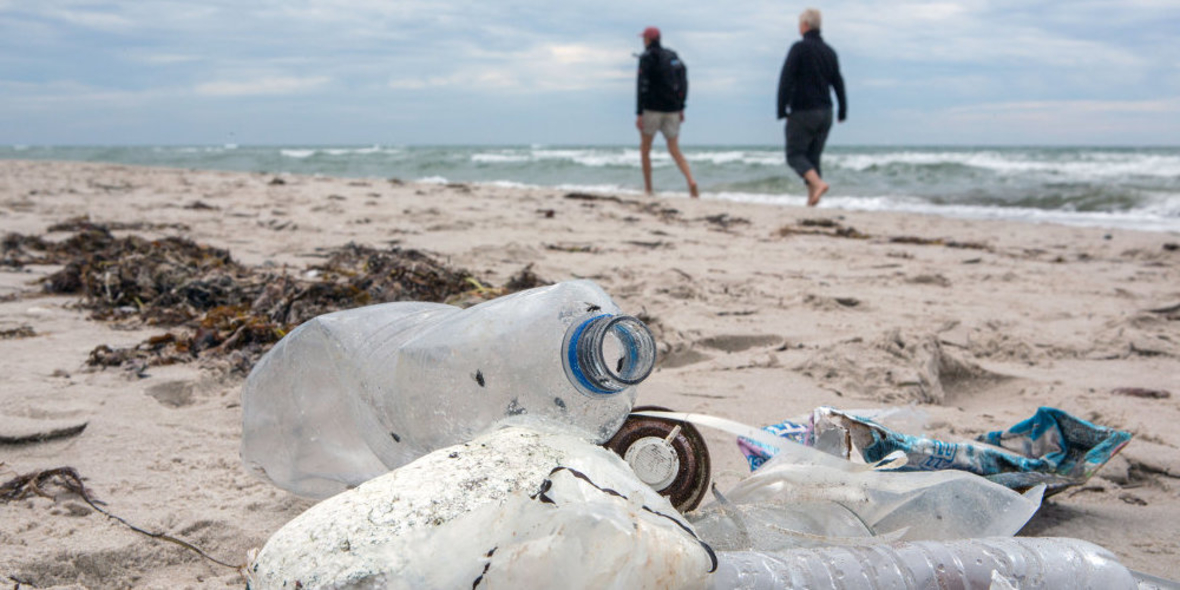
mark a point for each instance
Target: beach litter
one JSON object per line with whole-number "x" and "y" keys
{"x": 349, "y": 395}
{"x": 1051, "y": 448}
{"x": 519, "y": 507}
{"x": 996, "y": 563}
{"x": 464, "y": 448}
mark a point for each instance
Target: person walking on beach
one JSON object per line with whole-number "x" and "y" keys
{"x": 662, "y": 89}
{"x": 805, "y": 101}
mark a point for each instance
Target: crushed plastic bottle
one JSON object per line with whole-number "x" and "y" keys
{"x": 1022, "y": 562}
{"x": 350, "y": 395}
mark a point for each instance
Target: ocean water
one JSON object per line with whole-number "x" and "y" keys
{"x": 1132, "y": 188}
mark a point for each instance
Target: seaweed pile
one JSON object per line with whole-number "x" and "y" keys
{"x": 217, "y": 308}
{"x": 834, "y": 229}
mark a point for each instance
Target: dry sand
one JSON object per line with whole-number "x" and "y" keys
{"x": 754, "y": 323}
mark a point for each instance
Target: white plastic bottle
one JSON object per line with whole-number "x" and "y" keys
{"x": 1020, "y": 562}
{"x": 350, "y": 395}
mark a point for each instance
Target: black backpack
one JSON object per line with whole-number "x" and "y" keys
{"x": 675, "y": 75}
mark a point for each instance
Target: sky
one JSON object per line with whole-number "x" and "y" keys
{"x": 413, "y": 72}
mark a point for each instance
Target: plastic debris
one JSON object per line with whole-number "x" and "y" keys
{"x": 670, "y": 456}
{"x": 348, "y": 396}
{"x": 1025, "y": 563}
{"x": 515, "y": 508}
{"x": 913, "y": 505}
{"x": 1051, "y": 448}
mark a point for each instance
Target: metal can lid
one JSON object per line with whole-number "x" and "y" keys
{"x": 667, "y": 455}
{"x": 654, "y": 461}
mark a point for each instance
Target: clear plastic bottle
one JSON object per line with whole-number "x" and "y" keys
{"x": 1021, "y": 562}
{"x": 350, "y": 395}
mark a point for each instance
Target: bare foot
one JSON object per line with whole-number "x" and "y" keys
{"x": 816, "y": 190}
{"x": 692, "y": 190}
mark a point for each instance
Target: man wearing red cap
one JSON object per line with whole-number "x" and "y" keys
{"x": 662, "y": 89}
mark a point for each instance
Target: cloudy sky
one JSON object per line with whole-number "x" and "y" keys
{"x": 404, "y": 72}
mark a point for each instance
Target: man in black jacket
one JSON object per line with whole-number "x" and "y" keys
{"x": 659, "y": 105}
{"x": 804, "y": 99}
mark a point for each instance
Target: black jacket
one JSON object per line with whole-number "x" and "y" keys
{"x": 810, "y": 69}
{"x": 653, "y": 92}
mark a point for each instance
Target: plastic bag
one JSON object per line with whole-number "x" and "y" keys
{"x": 515, "y": 508}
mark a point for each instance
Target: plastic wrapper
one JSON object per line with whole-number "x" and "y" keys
{"x": 1051, "y": 448}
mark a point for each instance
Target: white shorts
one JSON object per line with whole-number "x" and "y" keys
{"x": 666, "y": 123}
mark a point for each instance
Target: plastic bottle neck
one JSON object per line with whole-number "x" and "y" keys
{"x": 608, "y": 353}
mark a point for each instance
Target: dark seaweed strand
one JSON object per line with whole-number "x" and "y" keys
{"x": 548, "y": 483}
{"x": 485, "y": 568}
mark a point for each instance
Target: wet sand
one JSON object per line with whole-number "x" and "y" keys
{"x": 762, "y": 313}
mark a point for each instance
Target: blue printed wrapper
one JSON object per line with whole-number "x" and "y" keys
{"x": 757, "y": 453}
{"x": 1052, "y": 447}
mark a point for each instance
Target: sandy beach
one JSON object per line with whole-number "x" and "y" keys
{"x": 762, "y": 313}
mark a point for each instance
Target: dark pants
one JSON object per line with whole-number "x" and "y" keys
{"x": 807, "y": 131}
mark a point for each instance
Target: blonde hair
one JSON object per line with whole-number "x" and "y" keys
{"x": 812, "y": 18}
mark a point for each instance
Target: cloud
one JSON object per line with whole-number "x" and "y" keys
{"x": 1070, "y": 107}
{"x": 261, "y": 86}
{"x": 980, "y": 32}
{"x": 92, "y": 19}
{"x": 1002, "y": 59}
{"x": 29, "y": 96}
{"x": 545, "y": 67}
{"x": 164, "y": 59}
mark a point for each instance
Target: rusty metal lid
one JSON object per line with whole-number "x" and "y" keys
{"x": 668, "y": 455}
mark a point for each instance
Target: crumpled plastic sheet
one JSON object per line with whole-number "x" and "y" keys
{"x": 1052, "y": 447}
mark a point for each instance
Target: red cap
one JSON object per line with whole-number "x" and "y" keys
{"x": 650, "y": 33}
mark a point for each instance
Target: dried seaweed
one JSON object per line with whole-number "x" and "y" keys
{"x": 83, "y": 223}
{"x": 524, "y": 279}
{"x": 202, "y": 206}
{"x": 575, "y": 248}
{"x": 1142, "y": 392}
{"x": 16, "y": 250}
{"x": 937, "y": 242}
{"x": 217, "y": 306}
{"x": 833, "y": 228}
{"x": 590, "y": 197}
{"x": 724, "y": 220}
{"x": 17, "y": 332}
{"x": 822, "y": 227}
